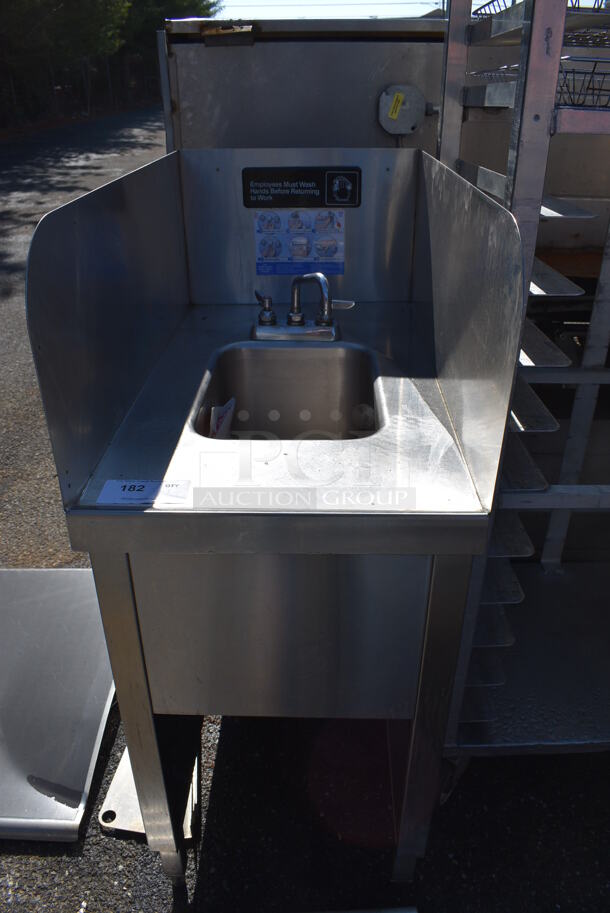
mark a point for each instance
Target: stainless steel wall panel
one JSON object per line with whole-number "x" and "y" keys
{"x": 106, "y": 288}
{"x": 477, "y": 293}
{"x": 220, "y": 230}
{"x": 299, "y": 93}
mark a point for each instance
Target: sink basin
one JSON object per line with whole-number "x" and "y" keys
{"x": 292, "y": 391}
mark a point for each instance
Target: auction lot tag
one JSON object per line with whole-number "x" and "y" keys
{"x": 122, "y": 492}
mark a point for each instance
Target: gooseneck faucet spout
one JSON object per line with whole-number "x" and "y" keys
{"x": 325, "y": 313}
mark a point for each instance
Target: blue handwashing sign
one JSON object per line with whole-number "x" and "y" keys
{"x": 292, "y": 242}
{"x": 298, "y": 268}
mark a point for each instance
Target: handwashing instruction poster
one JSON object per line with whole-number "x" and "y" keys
{"x": 295, "y": 241}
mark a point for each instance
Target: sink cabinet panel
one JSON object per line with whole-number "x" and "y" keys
{"x": 278, "y": 635}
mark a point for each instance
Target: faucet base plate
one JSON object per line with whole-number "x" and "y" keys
{"x": 307, "y": 331}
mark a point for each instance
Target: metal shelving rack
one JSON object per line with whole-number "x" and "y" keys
{"x": 502, "y": 700}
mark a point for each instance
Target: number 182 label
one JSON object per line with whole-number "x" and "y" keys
{"x": 121, "y": 492}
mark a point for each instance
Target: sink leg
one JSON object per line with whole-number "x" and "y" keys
{"x": 416, "y": 771}
{"x": 115, "y": 594}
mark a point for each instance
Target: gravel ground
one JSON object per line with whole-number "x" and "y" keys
{"x": 297, "y": 816}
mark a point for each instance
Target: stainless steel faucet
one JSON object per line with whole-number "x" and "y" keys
{"x": 323, "y": 328}
{"x": 325, "y": 314}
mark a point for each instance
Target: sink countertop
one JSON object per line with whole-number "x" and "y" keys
{"x": 367, "y": 489}
{"x": 411, "y": 464}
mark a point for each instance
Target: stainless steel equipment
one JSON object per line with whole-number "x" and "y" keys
{"x": 351, "y": 73}
{"x": 316, "y": 392}
{"x": 302, "y": 83}
{"x": 323, "y": 328}
{"x": 317, "y": 562}
{"x": 548, "y": 94}
{"x": 324, "y": 317}
{"x": 57, "y": 689}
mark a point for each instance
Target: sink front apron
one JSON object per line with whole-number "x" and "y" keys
{"x": 282, "y": 635}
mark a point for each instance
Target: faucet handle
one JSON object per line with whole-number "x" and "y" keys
{"x": 266, "y": 315}
{"x": 295, "y": 318}
{"x": 340, "y": 305}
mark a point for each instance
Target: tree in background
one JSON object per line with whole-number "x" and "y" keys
{"x": 147, "y": 16}
{"x": 139, "y": 53}
{"x": 72, "y": 57}
{"x": 84, "y": 32}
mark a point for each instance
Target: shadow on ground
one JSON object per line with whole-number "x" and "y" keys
{"x": 46, "y": 169}
{"x": 299, "y": 819}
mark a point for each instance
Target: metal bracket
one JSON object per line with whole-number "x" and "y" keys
{"x": 120, "y": 811}
{"x": 229, "y": 34}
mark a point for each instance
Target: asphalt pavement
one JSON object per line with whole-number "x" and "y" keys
{"x": 296, "y": 813}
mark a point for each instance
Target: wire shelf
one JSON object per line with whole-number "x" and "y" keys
{"x": 581, "y": 86}
{"x": 595, "y": 5}
{"x": 587, "y": 38}
{"x": 488, "y": 9}
{"x": 583, "y": 81}
{"x": 507, "y": 73}
{"x": 498, "y": 6}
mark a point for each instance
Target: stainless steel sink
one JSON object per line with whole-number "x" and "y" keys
{"x": 292, "y": 391}
{"x": 273, "y": 575}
